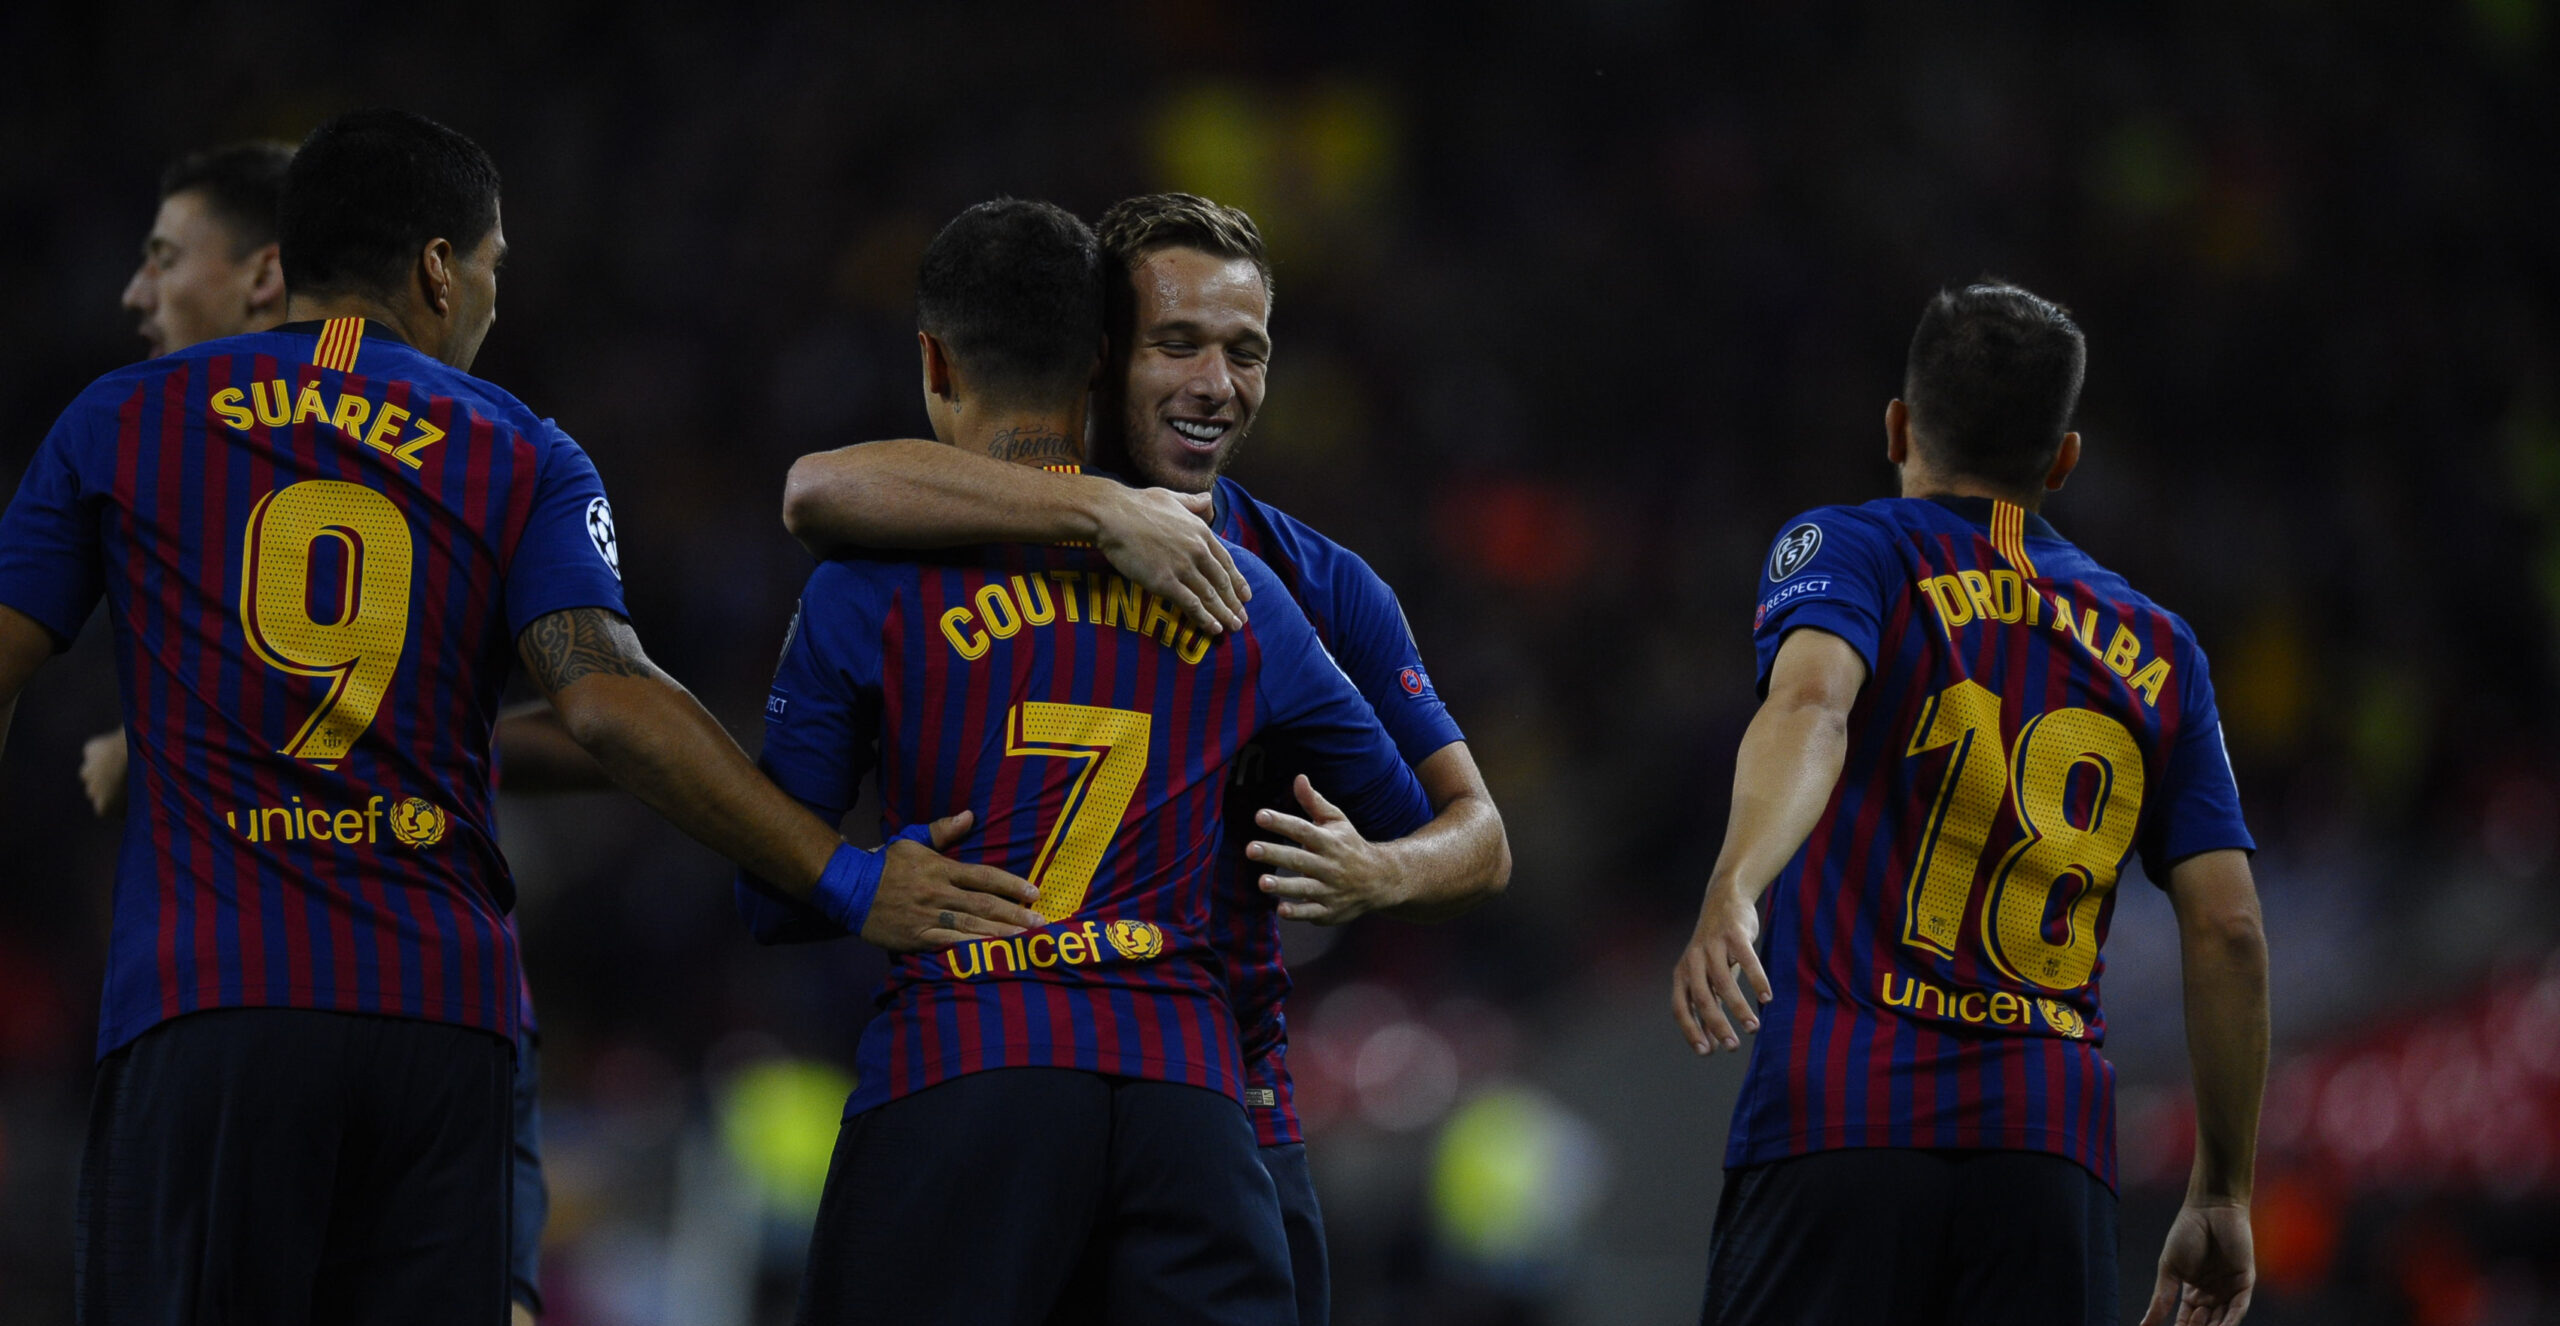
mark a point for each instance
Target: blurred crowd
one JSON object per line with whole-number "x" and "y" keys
{"x": 1576, "y": 305}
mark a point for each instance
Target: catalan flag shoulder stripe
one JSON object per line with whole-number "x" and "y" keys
{"x": 2009, "y": 535}
{"x": 340, "y": 338}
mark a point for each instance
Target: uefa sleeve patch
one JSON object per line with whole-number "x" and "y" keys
{"x": 1795, "y": 550}
{"x": 600, "y": 532}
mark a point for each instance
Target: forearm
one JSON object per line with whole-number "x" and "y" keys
{"x": 1782, "y": 778}
{"x": 1446, "y": 867}
{"x": 2226, "y": 998}
{"x": 907, "y": 493}
{"x": 538, "y": 754}
{"x": 658, "y": 743}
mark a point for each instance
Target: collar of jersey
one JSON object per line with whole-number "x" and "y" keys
{"x": 1978, "y": 510}
{"x": 373, "y": 331}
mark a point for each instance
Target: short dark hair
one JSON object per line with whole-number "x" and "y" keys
{"x": 241, "y": 183}
{"x": 1136, "y": 227}
{"x": 1993, "y": 376}
{"x": 370, "y": 188}
{"x": 1014, "y": 288}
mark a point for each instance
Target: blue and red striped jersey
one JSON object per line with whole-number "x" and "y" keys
{"x": 317, "y": 547}
{"x": 1092, "y": 734}
{"x": 2029, "y": 722}
{"x": 1359, "y": 620}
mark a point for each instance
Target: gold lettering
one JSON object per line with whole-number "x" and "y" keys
{"x": 1931, "y": 995}
{"x": 1965, "y": 1007}
{"x": 350, "y": 826}
{"x": 1951, "y": 600}
{"x": 274, "y": 399}
{"x": 386, "y": 428}
{"x": 1002, "y": 620}
{"x": 309, "y": 406}
{"x": 1032, "y": 947}
{"x": 1160, "y": 611}
{"x": 972, "y": 646}
{"x": 1194, "y": 647}
{"x": 315, "y": 824}
{"x": 1067, "y": 591}
{"x": 2150, "y": 679}
{"x": 2005, "y": 1007}
{"x": 1123, "y": 604}
{"x": 226, "y": 403}
{"x": 1000, "y": 948}
{"x": 1910, "y": 987}
{"x": 2004, "y": 592}
{"x": 1977, "y": 590}
{"x": 1071, "y": 948}
{"x": 976, "y": 959}
{"x": 428, "y": 435}
{"x": 352, "y": 409}
{"x": 269, "y": 819}
{"x": 1027, "y": 589}
{"x": 2035, "y": 606}
{"x": 2123, "y": 651}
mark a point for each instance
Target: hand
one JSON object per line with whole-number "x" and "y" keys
{"x": 1333, "y": 874}
{"x": 2207, "y": 1269}
{"x": 1161, "y": 540}
{"x": 928, "y": 901}
{"x": 103, "y": 759}
{"x": 1714, "y": 969}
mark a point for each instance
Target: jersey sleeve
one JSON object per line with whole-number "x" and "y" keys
{"x": 1374, "y": 646}
{"x": 1829, "y": 570}
{"x": 1315, "y": 712}
{"x": 2199, "y": 801}
{"x": 821, "y": 727}
{"x": 49, "y": 553}
{"x": 568, "y": 556}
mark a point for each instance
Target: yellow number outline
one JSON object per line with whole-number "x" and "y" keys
{"x": 359, "y": 651}
{"x": 2034, "y": 775}
{"x": 1114, "y": 749}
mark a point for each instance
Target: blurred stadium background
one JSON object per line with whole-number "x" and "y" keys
{"x": 1576, "y": 305}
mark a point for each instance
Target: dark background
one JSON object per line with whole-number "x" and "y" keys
{"x": 1577, "y": 305}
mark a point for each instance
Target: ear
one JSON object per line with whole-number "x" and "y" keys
{"x": 2065, "y": 460}
{"x": 1897, "y": 432}
{"x": 266, "y": 279}
{"x": 435, "y": 277}
{"x": 937, "y": 367}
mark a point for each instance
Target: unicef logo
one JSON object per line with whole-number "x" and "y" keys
{"x": 1795, "y": 548}
{"x": 600, "y": 530}
{"x": 418, "y": 822}
{"x": 1136, "y": 940}
{"x": 2064, "y": 1018}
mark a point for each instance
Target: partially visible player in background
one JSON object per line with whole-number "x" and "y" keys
{"x": 1191, "y": 347}
{"x": 320, "y": 546}
{"x": 211, "y": 268}
{"x": 1049, "y": 1128}
{"x": 1968, "y": 728}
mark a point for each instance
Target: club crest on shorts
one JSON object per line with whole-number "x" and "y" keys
{"x": 1795, "y": 548}
{"x": 1136, "y": 940}
{"x": 600, "y": 530}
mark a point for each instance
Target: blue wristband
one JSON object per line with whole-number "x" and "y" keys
{"x": 852, "y": 879}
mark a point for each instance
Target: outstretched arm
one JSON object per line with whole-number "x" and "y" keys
{"x": 2208, "y": 1268}
{"x": 537, "y": 754}
{"x": 658, "y": 742}
{"x": 1782, "y": 778}
{"x": 908, "y": 493}
{"x": 1458, "y": 860}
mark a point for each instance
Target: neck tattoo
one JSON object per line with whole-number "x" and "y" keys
{"x": 1033, "y": 443}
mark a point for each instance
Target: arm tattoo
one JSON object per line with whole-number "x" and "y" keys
{"x": 1020, "y": 444}
{"x": 564, "y": 646}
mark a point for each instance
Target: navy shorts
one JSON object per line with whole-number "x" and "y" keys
{"x": 532, "y": 1195}
{"x": 1889, "y": 1236}
{"x": 1303, "y": 1220}
{"x": 288, "y": 1167}
{"x": 1026, "y": 1195}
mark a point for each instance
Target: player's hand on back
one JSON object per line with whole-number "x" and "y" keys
{"x": 2208, "y": 1269}
{"x": 1332, "y": 874}
{"x": 928, "y": 901}
{"x": 103, "y": 759}
{"x": 1161, "y": 540}
{"x": 1709, "y": 982}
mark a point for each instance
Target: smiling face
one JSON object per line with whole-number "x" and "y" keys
{"x": 1197, "y": 352}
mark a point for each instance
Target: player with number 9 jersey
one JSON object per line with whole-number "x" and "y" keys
{"x": 2031, "y": 723}
{"x": 318, "y": 546}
